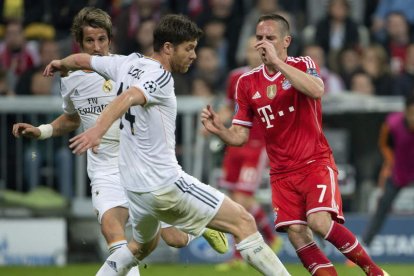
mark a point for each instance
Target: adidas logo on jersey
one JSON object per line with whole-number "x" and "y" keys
{"x": 112, "y": 264}
{"x": 256, "y": 95}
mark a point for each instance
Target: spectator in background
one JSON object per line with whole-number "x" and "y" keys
{"x": 317, "y": 9}
{"x": 32, "y": 81}
{"x": 404, "y": 83}
{"x": 143, "y": 38}
{"x": 207, "y": 65}
{"x": 396, "y": 143}
{"x": 333, "y": 83}
{"x": 361, "y": 83}
{"x": 191, "y": 8}
{"x": 348, "y": 63}
{"x": 16, "y": 55}
{"x": 335, "y": 31}
{"x": 4, "y": 85}
{"x": 214, "y": 36}
{"x": 200, "y": 87}
{"x": 397, "y": 39}
{"x": 296, "y": 7}
{"x": 129, "y": 19}
{"x": 230, "y": 12}
{"x": 386, "y": 7}
{"x": 375, "y": 62}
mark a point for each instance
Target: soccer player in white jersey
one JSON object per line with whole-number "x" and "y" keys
{"x": 157, "y": 188}
{"x": 85, "y": 94}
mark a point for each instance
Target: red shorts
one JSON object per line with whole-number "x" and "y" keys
{"x": 243, "y": 168}
{"x": 296, "y": 196}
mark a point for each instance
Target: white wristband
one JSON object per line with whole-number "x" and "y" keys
{"x": 46, "y": 131}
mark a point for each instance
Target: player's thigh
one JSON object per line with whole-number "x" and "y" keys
{"x": 107, "y": 193}
{"x": 187, "y": 204}
{"x": 145, "y": 224}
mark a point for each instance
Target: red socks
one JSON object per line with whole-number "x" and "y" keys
{"x": 347, "y": 244}
{"x": 315, "y": 261}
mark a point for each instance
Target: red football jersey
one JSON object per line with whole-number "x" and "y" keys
{"x": 256, "y": 136}
{"x": 291, "y": 121}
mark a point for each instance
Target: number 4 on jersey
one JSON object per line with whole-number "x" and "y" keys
{"x": 128, "y": 116}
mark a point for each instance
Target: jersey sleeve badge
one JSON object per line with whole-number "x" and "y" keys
{"x": 313, "y": 72}
{"x": 150, "y": 86}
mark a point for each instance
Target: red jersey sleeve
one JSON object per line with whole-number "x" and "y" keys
{"x": 243, "y": 114}
{"x": 306, "y": 64}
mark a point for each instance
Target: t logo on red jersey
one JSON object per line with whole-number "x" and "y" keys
{"x": 266, "y": 115}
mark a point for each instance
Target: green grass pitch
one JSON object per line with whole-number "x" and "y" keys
{"x": 190, "y": 270}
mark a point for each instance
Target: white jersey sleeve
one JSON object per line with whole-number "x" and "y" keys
{"x": 157, "y": 85}
{"x": 66, "y": 91}
{"x": 108, "y": 66}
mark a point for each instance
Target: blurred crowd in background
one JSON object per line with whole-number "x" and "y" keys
{"x": 361, "y": 46}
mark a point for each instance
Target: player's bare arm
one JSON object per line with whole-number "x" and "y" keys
{"x": 309, "y": 85}
{"x": 234, "y": 136}
{"x": 65, "y": 123}
{"x": 70, "y": 63}
{"x": 91, "y": 138}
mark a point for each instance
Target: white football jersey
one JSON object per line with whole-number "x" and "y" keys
{"x": 88, "y": 93}
{"x": 147, "y": 158}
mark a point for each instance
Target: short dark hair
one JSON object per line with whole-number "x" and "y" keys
{"x": 278, "y": 18}
{"x": 93, "y": 17}
{"x": 175, "y": 29}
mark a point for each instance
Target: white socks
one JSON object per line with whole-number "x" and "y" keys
{"x": 258, "y": 254}
{"x": 120, "y": 263}
{"x": 116, "y": 245}
{"x": 190, "y": 238}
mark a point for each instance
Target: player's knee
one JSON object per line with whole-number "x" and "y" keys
{"x": 246, "y": 220}
{"x": 299, "y": 235}
{"x": 142, "y": 250}
{"x": 320, "y": 222}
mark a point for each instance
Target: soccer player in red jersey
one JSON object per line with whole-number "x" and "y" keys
{"x": 284, "y": 94}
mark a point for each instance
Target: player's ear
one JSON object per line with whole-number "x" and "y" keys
{"x": 286, "y": 41}
{"x": 168, "y": 48}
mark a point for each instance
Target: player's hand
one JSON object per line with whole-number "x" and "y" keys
{"x": 25, "y": 130}
{"x": 53, "y": 67}
{"x": 211, "y": 120}
{"x": 267, "y": 51}
{"x": 91, "y": 138}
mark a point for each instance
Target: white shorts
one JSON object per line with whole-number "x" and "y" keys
{"x": 187, "y": 204}
{"x": 107, "y": 193}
